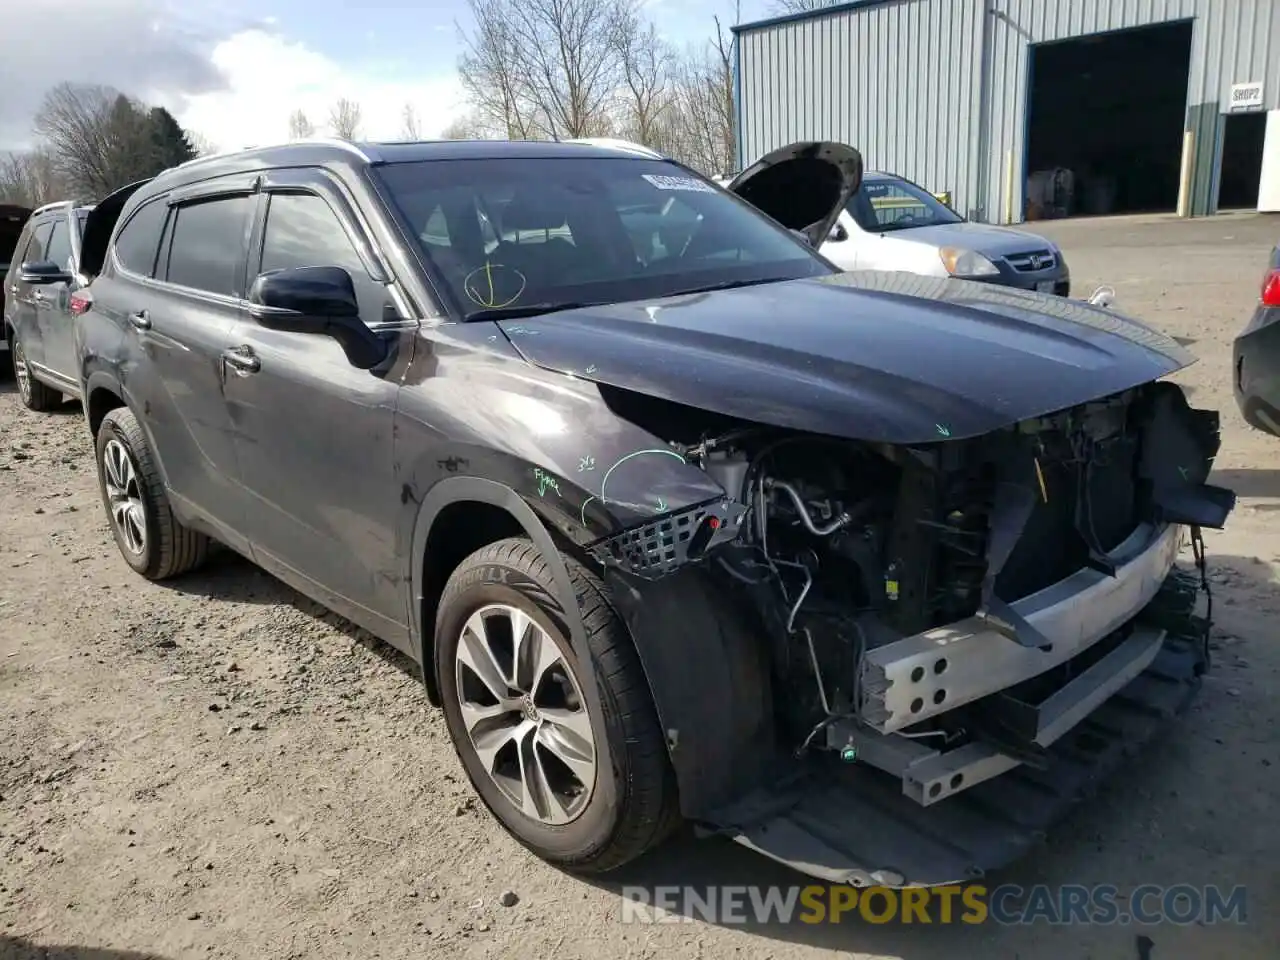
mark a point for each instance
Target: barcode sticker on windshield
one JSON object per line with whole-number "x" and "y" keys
{"x": 678, "y": 183}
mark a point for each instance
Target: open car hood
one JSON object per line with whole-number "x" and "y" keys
{"x": 890, "y": 357}
{"x": 98, "y": 227}
{"x": 803, "y": 186}
{"x": 12, "y": 219}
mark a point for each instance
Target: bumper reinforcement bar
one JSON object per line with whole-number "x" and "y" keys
{"x": 929, "y": 775}
{"x": 927, "y": 674}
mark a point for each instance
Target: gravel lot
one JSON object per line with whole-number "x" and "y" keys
{"x": 218, "y": 768}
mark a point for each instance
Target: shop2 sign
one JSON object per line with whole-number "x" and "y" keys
{"x": 1245, "y": 96}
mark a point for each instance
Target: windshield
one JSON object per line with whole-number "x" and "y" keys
{"x": 524, "y": 236}
{"x": 893, "y": 204}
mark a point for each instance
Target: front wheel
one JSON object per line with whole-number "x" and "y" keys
{"x": 149, "y": 536}
{"x": 584, "y": 786}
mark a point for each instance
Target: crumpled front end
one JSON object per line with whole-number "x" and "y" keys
{"x": 933, "y": 650}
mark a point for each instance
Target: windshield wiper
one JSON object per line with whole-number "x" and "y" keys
{"x": 519, "y": 311}
{"x": 726, "y": 285}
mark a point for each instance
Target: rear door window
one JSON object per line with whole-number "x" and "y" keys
{"x": 59, "y": 250}
{"x": 207, "y": 248}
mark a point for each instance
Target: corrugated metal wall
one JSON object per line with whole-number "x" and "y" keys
{"x": 906, "y": 81}
{"x": 897, "y": 80}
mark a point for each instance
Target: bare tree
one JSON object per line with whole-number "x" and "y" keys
{"x": 569, "y": 63}
{"x": 76, "y": 124}
{"x": 803, "y": 6}
{"x": 491, "y": 71}
{"x": 30, "y": 178}
{"x": 344, "y": 118}
{"x": 702, "y": 125}
{"x": 410, "y": 128}
{"x": 646, "y": 63}
{"x": 300, "y": 128}
{"x": 545, "y": 68}
{"x": 469, "y": 127}
{"x": 202, "y": 145}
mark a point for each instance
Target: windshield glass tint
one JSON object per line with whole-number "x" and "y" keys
{"x": 521, "y": 233}
{"x": 883, "y": 205}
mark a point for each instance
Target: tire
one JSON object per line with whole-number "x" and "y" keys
{"x": 631, "y": 806}
{"x": 127, "y": 476}
{"x": 34, "y": 395}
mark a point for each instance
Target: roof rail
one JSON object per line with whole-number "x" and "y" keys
{"x": 327, "y": 141}
{"x": 53, "y": 206}
{"x": 614, "y": 143}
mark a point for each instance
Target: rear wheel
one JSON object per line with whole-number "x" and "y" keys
{"x": 584, "y": 786}
{"x": 149, "y": 536}
{"x": 34, "y": 394}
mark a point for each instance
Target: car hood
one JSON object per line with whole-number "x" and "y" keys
{"x": 891, "y": 357}
{"x": 803, "y": 186}
{"x": 100, "y": 224}
{"x": 981, "y": 237}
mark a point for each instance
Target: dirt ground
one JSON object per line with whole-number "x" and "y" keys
{"x": 218, "y": 768}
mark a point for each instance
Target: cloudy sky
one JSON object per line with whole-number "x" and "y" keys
{"x": 233, "y": 70}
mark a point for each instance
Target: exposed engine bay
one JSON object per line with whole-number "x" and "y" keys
{"x": 947, "y": 611}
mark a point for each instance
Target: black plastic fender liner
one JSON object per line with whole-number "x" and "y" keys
{"x": 709, "y": 675}
{"x": 453, "y": 490}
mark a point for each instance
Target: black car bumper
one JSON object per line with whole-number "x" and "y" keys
{"x": 1255, "y": 366}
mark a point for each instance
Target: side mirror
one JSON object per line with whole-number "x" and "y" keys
{"x": 316, "y": 300}
{"x": 838, "y": 234}
{"x": 41, "y": 273}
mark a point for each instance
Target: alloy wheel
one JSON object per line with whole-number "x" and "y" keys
{"x": 20, "y": 371}
{"x": 525, "y": 714}
{"x": 124, "y": 496}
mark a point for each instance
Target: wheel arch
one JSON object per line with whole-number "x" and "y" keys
{"x": 458, "y": 516}
{"x": 717, "y": 718}
{"x": 101, "y": 395}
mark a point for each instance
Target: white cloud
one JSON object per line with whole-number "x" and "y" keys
{"x": 146, "y": 48}
{"x": 267, "y": 77}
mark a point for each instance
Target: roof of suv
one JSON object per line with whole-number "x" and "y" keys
{"x": 320, "y": 152}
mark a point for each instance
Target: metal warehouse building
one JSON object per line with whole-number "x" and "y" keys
{"x": 1027, "y": 109}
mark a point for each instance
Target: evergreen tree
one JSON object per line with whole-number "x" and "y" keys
{"x": 169, "y": 142}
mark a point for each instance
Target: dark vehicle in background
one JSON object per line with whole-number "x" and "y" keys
{"x": 41, "y": 304}
{"x": 872, "y": 572}
{"x": 12, "y": 219}
{"x": 1255, "y": 356}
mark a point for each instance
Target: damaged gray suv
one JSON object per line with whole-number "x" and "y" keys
{"x": 873, "y": 573}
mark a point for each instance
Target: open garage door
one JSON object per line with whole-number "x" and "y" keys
{"x": 1107, "y": 112}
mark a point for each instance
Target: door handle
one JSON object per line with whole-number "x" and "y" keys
{"x": 140, "y": 320}
{"x": 241, "y": 360}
